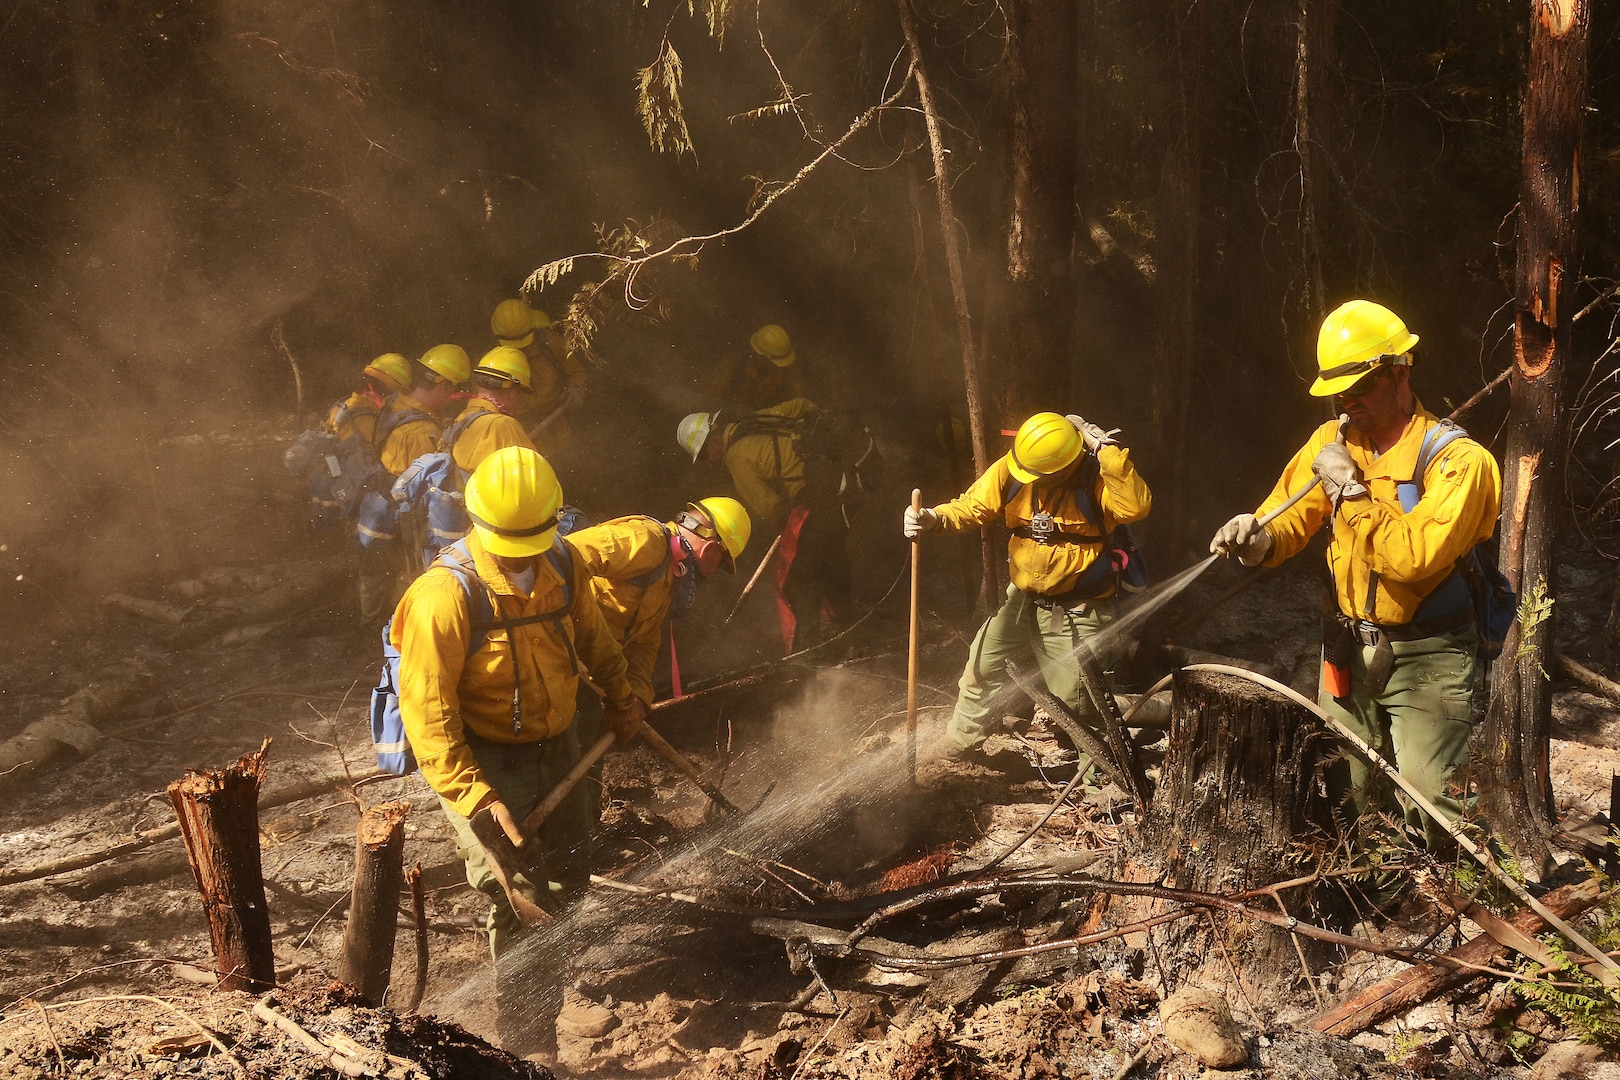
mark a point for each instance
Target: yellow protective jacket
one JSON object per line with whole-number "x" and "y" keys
{"x": 1052, "y": 569}
{"x": 354, "y": 415}
{"x": 552, "y": 369}
{"x": 410, "y": 440}
{"x": 488, "y": 430}
{"x": 622, "y": 555}
{"x": 765, "y": 468}
{"x": 443, "y": 693}
{"x": 1411, "y": 553}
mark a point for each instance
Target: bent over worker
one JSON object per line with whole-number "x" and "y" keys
{"x": 1400, "y": 641}
{"x": 761, "y": 453}
{"x": 488, "y": 709}
{"x": 1063, "y": 488}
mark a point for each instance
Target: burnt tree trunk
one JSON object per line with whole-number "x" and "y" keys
{"x": 1177, "y": 248}
{"x": 1515, "y": 787}
{"x": 1041, "y": 64}
{"x": 219, "y": 822}
{"x": 953, "y": 268}
{"x": 379, "y": 871}
{"x": 1313, "y": 54}
{"x": 1237, "y": 791}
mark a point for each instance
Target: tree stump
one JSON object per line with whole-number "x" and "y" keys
{"x": 219, "y": 822}
{"x": 1238, "y": 794}
{"x": 379, "y": 860}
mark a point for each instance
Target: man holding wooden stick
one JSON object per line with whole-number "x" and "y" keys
{"x": 488, "y": 706}
{"x": 1063, "y": 491}
{"x": 1406, "y": 497}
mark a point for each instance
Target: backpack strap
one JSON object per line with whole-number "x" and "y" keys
{"x": 345, "y": 413}
{"x": 1085, "y": 499}
{"x": 1442, "y": 435}
{"x": 390, "y": 419}
{"x": 1451, "y": 595}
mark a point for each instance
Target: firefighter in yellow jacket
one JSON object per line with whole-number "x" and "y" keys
{"x": 437, "y": 378}
{"x": 558, "y": 377}
{"x": 760, "y": 453}
{"x": 501, "y": 382}
{"x": 1061, "y": 491}
{"x": 490, "y": 718}
{"x": 1399, "y": 648}
{"x": 387, "y": 375}
{"x": 644, "y": 573}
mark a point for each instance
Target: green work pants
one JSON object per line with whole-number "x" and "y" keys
{"x": 1022, "y": 631}
{"x": 559, "y": 855}
{"x": 382, "y": 578}
{"x": 1420, "y": 723}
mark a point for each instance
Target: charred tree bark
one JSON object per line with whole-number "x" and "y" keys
{"x": 219, "y": 822}
{"x": 1515, "y": 786}
{"x": 1177, "y": 223}
{"x": 379, "y": 872}
{"x": 1042, "y": 61}
{"x": 1313, "y": 56}
{"x": 1237, "y": 790}
{"x": 953, "y": 267}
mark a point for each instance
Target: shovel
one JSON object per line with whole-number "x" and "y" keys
{"x": 911, "y": 646}
{"x": 505, "y": 860}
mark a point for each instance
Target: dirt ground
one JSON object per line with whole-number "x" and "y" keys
{"x": 100, "y": 970}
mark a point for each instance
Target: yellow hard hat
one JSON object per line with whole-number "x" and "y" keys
{"x": 512, "y": 323}
{"x": 513, "y": 499}
{"x": 772, "y": 343}
{"x": 448, "y": 362}
{"x": 542, "y": 321}
{"x": 506, "y": 363}
{"x": 693, "y": 432}
{"x": 391, "y": 369}
{"x": 723, "y": 519}
{"x": 1356, "y": 338}
{"x": 1047, "y": 443}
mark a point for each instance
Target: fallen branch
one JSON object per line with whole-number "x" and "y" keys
{"x": 1588, "y": 678}
{"x": 265, "y": 1010}
{"x": 1399, "y": 993}
{"x": 36, "y": 871}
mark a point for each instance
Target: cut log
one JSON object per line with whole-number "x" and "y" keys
{"x": 1399, "y": 993}
{"x": 1181, "y": 656}
{"x": 1236, "y": 792}
{"x": 219, "y": 820}
{"x": 379, "y": 871}
{"x": 70, "y": 730}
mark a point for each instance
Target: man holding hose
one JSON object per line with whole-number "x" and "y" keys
{"x": 1062, "y": 491}
{"x": 1408, "y": 496}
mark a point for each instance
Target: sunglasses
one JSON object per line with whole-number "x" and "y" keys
{"x": 1365, "y": 384}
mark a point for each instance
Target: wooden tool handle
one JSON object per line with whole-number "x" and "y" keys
{"x": 676, "y": 758}
{"x": 531, "y": 823}
{"x": 912, "y": 644}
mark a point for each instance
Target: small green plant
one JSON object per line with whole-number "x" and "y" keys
{"x": 1580, "y": 1002}
{"x": 1534, "y": 610}
{"x": 1403, "y": 1046}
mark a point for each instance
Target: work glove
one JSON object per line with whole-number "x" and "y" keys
{"x": 503, "y": 817}
{"x": 1340, "y": 478}
{"x": 1095, "y": 437}
{"x": 571, "y": 398}
{"x": 919, "y": 522}
{"x": 1243, "y": 537}
{"x": 624, "y": 719}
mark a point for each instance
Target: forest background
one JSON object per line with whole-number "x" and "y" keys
{"x": 1156, "y": 202}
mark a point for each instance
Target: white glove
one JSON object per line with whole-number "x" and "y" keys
{"x": 919, "y": 522}
{"x": 1243, "y": 537}
{"x": 1341, "y": 479}
{"x": 572, "y": 398}
{"x": 1095, "y": 437}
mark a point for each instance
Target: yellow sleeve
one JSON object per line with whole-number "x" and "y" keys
{"x": 980, "y": 504}
{"x": 1462, "y": 495}
{"x": 1294, "y": 528}
{"x": 598, "y": 652}
{"x": 430, "y": 631}
{"x": 1125, "y": 495}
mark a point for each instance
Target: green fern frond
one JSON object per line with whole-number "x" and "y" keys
{"x": 1535, "y": 608}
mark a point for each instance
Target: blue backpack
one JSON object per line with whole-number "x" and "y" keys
{"x": 1476, "y": 579}
{"x": 431, "y": 488}
{"x": 393, "y": 749}
{"x": 339, "y": 474}
{"x": 1124, "y": 560}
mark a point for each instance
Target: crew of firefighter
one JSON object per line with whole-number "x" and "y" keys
{"x": 497, "y": 706}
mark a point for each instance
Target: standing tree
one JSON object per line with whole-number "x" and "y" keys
{"x": 1515, "y": 786}
{"x": 1041, "y": 65}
